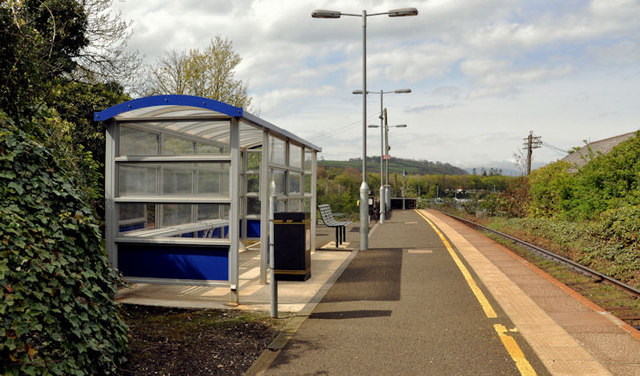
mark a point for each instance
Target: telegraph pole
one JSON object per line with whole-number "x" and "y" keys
{"x": 530, "y": 143}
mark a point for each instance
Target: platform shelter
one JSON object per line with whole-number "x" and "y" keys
{"x": 187, "y": 187}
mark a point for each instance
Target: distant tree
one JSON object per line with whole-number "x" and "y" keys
{"x": 520, "y": 160}
{"x": 169, "y": 74}
{"x": 207, "y": 73}
{"x": 106, "y": 57}
{"x": 39, "y": 42}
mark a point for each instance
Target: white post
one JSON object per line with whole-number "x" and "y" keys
{"x": 264, "y": 209}
{"x": 382, "y": 201}
{"x": 111, "y": 214}
{"x": 314, "y": 198}
{"x": 364, "y": 188}
{"x": 234, "y": 218}
{"x": 272, "y": 263}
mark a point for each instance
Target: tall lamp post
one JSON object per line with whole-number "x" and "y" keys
{"x": 364, "y": 188}
{"x": 387, "y": 157}
{"x": 382, "y": 116}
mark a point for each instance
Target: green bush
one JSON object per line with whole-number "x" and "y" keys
{"x": 57, "y": 310}
{"x": 620, "y": 226}
{"x": 549, "y": 188}
{"x": 607, "y": 182}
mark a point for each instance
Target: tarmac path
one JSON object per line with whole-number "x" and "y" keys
{"x": 405, "y": 307}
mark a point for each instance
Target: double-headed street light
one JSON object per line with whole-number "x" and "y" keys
{"x": 382, "y": 116}
{"x": 364, "y": 188}
{"x": 387, "y": 157}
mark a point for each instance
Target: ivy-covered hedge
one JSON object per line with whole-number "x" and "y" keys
{"x": 57, "y": 313}
{"x": 606, "y": 182}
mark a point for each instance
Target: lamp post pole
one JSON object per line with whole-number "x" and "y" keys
{"x": 383, "y": 116}
{"x": 364, "y": 188}
{"x": 387, "y": 157}
{"x": 382, "y": 205}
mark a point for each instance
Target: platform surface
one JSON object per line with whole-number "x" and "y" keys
{"x": 429, "y": 297}
{"x": 434, "y": 297}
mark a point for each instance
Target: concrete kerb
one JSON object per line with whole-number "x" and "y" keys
{"x": 267, "y": 357}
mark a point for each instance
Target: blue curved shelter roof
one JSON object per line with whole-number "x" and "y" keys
{"x": 164, "y": 100}
{"x": 192, "y": 106}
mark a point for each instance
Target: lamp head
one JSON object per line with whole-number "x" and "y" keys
{"x": 403, "y": 12}
{"x": 357, "y": 92}
{"x": 402, "y": 91}
{"x": 322, "y": 13}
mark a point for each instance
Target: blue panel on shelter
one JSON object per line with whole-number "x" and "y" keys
{"x": 253, "y": 228}
{"x": 174, "y": 262}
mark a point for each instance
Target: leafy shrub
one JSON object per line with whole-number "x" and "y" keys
{"x": 549, "y": 187}
{"x": 607, "y": 182}
{"x": 515, "y": 199}
{"x": 621, "y": 226}
{"x": 57, "y": 311}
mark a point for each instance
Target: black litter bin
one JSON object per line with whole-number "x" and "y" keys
{"x": 291, "y": 248}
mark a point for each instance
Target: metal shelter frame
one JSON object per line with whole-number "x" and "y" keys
{"x": 187, "y": 183}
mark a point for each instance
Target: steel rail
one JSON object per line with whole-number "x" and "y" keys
{"x": 574, "y": 265}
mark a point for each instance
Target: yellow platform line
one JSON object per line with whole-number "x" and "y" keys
{"x": 486, "y": 306}
{"x": 508, "y": 342}
{"x": 514, "y": 351}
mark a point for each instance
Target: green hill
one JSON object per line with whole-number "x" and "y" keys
{"x": 397, "y": 165}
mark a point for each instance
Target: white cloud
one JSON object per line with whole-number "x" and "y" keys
{"x": 483, "y": 73}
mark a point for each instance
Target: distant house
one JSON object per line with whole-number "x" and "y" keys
{"x": 581, "y": 156}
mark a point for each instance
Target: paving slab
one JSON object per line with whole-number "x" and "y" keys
{"x": 572, "y": 335}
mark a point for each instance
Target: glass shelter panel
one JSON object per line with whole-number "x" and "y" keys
{"x": 253, "y": 183}
{"x": 212, "y": 149}
{"x": 295, "y": 205}
{"x": 295, "y": 156}
{"x": 295, "y": 183}
{"x": 138, "y": 142}
{"x": 213, "y": 179}
{"x": 278, "y": 177}
{"x": 177, "y": 146}
{"x": 177, "y": 179}
{"x": 253, "y": 205}
{"x": 148, "y": 221}
{"x": 136, "y": 217}
{"x": 308, "y": 160}
{"x": 159, "y": 138}
{"x": 138, "y": 180}
{"x": 277, "y": 151}
{"x": 254, "y": 160}
{"x": 307, "y": 183}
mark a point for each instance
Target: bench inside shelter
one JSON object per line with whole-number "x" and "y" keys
{"x": 329, "y": 220}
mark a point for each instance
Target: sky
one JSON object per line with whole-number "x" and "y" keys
{"x": 483, "y": 74}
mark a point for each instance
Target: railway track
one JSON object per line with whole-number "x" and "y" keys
{"x": 633, "y": 320}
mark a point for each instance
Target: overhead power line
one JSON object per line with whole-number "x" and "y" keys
{"x": 332, "y": 132}
{"x": 552, "y": 147}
